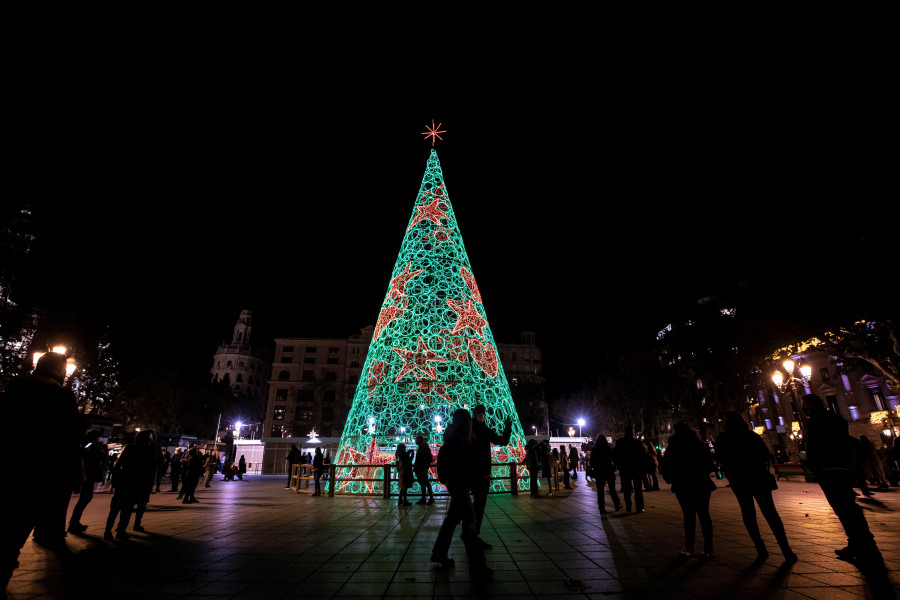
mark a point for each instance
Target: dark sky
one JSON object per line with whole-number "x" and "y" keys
{"x": 588, "y": 217}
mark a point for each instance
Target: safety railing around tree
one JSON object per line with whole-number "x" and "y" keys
{"x": 381, "y": 480}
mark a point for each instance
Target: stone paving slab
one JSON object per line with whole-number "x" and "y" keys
{"x": 253, "y": 539}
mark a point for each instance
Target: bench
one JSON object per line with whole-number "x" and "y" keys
{"x": 783, "y": 471}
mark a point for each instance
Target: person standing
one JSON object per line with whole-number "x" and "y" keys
{"x": 133, "y": 473}
{"x": 293, "y": 458}
{"x": 604, "y": 473}
{"x": 531, "y": 463}
{"x": 830, "y": 456}
{"x": 421, "y": 467}
{"x": 404, "y": 474}
{"x": 95, "y": 458}
{"x": 318, "y": 463}
{"x": 147, "y": 488}
{"x": 43, "y": 498}
{"x": 210, "y": 465}
{"x": 457, "y": 470}
{"x": 483, "y": 437}
{"x": 163, "y": 466}
{"x": 543, "y": 453}
{"x": 745, "y": 458}
{"x": 192, "y": 473}
{"x": 175, "y": 464}
{"x": 687, "y": 465}
{"x": 242, "y": 468}
{"x": 564, "y": 466}
{"x": 573, "y": 462}
{"x": 651, "y": 481}
{"x": 628, "y": 456}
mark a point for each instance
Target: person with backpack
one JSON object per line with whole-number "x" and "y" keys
{"x": 95, "y": 458}
{"x": 455, "y": 470}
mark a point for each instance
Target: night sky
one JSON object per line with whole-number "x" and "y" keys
{"x": 588, "y": 218}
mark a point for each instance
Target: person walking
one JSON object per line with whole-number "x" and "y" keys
{"x": 421, "y": 468}
{"x": 318, "y": 463}
{"x": 133, "y": 473}
{"x": 830, "y": 456}
{"x": 687, "y": 465}
{"x": 175, "y": 466}
{"x": 43, "y": 498}
{"x": 483, "y": 437}
{"x": 293, "y": 458}
{"x": 604, "y": 473}
{"x": 455, "y": 470}
{"x": 628, "y": 457}
{"x": 745, "y": 459}
{"x": 531, "y": 463}
{"x": 404, "y": 474}
{"x": 146, "y": 490}
{"x": 95, "y": 458}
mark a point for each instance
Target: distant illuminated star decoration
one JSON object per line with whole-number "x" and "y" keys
{"x": 433, "y": 132}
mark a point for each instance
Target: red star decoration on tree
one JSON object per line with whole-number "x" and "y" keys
{"x": 416, "y": 361}
{"x": 433, "y": 132}
{"x": 430, "y": 212}
{"x": 467, "y": 317}
{"x": 428, "y": 389}
{"x": 470, "y": 283}
{"x": 398, "y": 283}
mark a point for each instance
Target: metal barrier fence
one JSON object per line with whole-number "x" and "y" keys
{"x": 379, "y": 480}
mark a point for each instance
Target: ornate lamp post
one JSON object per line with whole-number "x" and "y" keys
{"x": 792, "y": 384}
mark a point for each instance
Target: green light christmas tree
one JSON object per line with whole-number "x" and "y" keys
{"x": 432, "y": 352}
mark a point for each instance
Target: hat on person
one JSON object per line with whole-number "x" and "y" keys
{"x": 479, "y": 408}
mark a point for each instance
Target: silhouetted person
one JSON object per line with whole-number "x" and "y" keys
{"x": 564, "y": 466}
{"x": 404, "y": 474}
{"x": 604, "y": 473}
{"x": 42, "y": 497}
{"x": 175, "y": 465}
{"x": 293, "y": 458}
{"x": 162, "y": 466}
{"x": 457, "y": 469}
{"x": 651, "y": 481}
{"x": 318, "y": 463}
{"x": 531, "y": 463}
{"x": 745, "y": 458}
{"x": 628, "y": 456}
{"x": 421, "y": 467}
{"x": 830, "y": 456}
{"x": 193, "y": 471}
{"x": 242, "y": 468}
{"x": 133, "y": 473}
{"x": 146, "y": 490}
{"x": 95, "y": 458}
{"x": 573, "y": 462}
{"x": 484, "y": 436}
{"x": 687, "y": 465}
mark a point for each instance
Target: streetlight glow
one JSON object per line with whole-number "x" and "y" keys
{"x": 778, "y": 378}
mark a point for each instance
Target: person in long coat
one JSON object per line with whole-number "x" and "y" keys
{"x": 628, "y": 456}
{"x": 604, "y": 473}
{"x": 745, "y": 458}
{"x": 404, "y": 474}
{"x": 687, "y": 465}
{"x": 134, "y": 472}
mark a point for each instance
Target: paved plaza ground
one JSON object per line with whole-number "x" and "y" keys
{"x": 254, "y": 539}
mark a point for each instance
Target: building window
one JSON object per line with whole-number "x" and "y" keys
{"x": 305, "y": 396}
{"x": 276, "y": 431}
{"x": 330, "y": 376}
{"x": 279, "y": 413}
{"x": 309, "y": 360}
{"x": 281, "y": 395}
{"x": 334, "y": 350}
{"x": 354, "y": 364}
{"x": 329, "y": 396}
{"x": 310, "y": 348}
{"x": 307, "y": 376}
{"x": 285, "y": 359}
{"x": 332, "y": 360}
{"x": 228, "y": 365}
{"x": 877, "y": 398}
{"x": 328, "y": 413}
{"x": 241, "y": 364}
{"x": 303, "y": 413}
{"x": 824, "y": 373}
{"x": 239, "y": 378}
{"x": 287, "y": 349}
{"x": 284, "y": 376}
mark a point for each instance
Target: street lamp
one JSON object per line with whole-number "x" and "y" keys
{"x": 580, "y": 425}
{"x": 792, "y": 384}
{"x": 70, "y": 362}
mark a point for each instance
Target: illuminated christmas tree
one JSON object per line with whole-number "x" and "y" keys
{"x": 431, "y": 353}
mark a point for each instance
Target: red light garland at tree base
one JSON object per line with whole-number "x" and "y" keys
{"x": 432, "y": 352}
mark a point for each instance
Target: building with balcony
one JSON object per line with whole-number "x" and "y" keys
{"x": 246, "y": 369}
